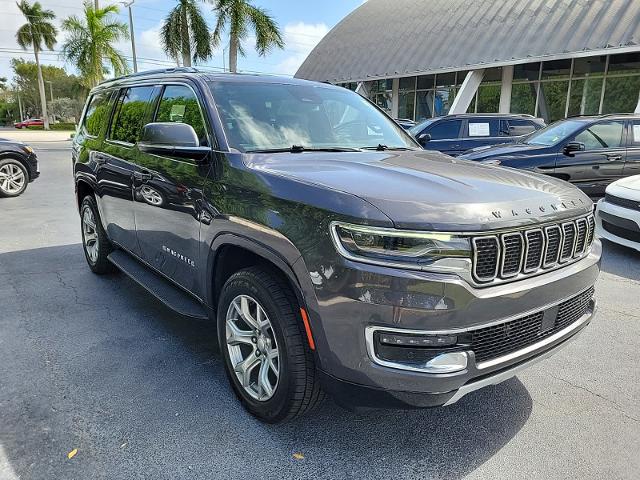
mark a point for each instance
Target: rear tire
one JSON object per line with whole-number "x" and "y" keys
{"x": 95, "y": 243}
{"x": 257, "y": 313}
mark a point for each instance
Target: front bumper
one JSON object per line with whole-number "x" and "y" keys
{"x": 359, "y": 296}
{"x": 626, "y": 221}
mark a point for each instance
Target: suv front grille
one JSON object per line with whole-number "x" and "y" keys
{"x": 529, "y": 251}
{"x": 497, "y": 340}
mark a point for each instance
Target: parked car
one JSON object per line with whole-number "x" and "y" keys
{"x": 618, "y": 213}
{"x": 590, "y": 151}
{"x": 455, "y": 134}
{"x": 30, "y": 122}
{"x": 18, "y": 167}
{"x": 332, "y": 253}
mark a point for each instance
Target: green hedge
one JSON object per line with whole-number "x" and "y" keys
{"x": 55, "y": 126}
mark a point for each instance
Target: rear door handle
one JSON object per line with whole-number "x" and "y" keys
{"x": 614, "y": 158}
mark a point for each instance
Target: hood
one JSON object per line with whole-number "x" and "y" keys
{"x": 632, "y": 183}
{"x": 503, "y": 149}
{"x": 429, "y": 190}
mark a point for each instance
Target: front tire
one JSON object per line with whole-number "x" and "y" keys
{"x": 13, "y": 178}
{"x": 267, "y": 359}
{"x": 95, "y": 243}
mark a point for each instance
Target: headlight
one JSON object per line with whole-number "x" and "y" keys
{"x": 406, "y": 249}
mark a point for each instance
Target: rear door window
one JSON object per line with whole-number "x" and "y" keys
{"x": 447, "y": 130}
{"x": 130, "y": 114}
{"x": 180, "y": 105}
{"x": 97, "y": 114}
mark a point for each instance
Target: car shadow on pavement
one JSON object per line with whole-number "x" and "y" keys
{"x": 620, "y": 261}
{"x": 95, "y": 363}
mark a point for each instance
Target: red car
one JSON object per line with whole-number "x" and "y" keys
{"x": 30, "y": 122}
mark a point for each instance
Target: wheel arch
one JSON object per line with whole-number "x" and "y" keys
{"x": 231, "y": 252}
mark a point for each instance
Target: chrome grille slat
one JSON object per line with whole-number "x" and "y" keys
{"x": 581, "y": 236}
{"x": 514, "y": 254}
{"x": 568, "y": 241}
{"x": 534, "y": 240}
{"x": 553, "y": 241}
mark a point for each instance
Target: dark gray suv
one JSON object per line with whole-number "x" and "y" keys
{"x": 332, "y": 253}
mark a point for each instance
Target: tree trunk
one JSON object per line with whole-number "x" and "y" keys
{"x": 43, "y": 98}
{"x": 186, "y": 41}
{"x": 233, "y": 53}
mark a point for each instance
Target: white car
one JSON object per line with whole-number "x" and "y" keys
{"x": 618, "y": 213}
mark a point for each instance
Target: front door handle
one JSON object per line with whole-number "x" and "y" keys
{"x": 614, "y": 158}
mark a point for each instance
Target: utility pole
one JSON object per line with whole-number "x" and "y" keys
{"x": 133, "y": 41}
{"x": 95, "y": 4}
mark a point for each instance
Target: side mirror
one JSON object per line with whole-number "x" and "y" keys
{"x": 424, "y": 137}
{"x": 172, "y": 139}
{"x": 570, "y": 148}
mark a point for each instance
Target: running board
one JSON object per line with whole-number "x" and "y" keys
{"x": 172, "y": 296}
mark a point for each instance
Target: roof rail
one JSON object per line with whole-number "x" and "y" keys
{"x": 153, "y": 72}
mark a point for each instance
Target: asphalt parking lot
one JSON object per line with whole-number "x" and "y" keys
{"x": 95, "y": 364}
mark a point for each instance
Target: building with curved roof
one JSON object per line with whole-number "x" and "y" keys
{"x": 424, "y": 58}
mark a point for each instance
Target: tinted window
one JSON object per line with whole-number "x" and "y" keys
{"x": 445, "y": 130}
{"x": 265, "y": 116}
{"x": 97, "y": 114}
{"x": 484, "y": 127}
{"x": 521, "y": 127}
{"x": 601, "y": 135}
{"x": 130, "y": 113}
{"x": 179, "y": 104}
{"x": 554, "y": 133}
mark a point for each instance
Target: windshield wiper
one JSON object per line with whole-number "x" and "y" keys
{"x": 381, "y": 148}
{"x": 301, "y": 148}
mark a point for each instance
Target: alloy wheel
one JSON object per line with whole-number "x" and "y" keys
{"x": 252, "y": 347}
{"x": 90, "y": 234}
{"x": 12, "y": 178}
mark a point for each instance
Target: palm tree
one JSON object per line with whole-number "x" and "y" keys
{"x": 90, "y": 42}
{"x": 38, "y": 31}
{"x": 185, "y": 31}
{"x": 240, "y": 15}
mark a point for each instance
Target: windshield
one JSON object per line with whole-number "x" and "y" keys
{"x": 554, "y": 133}
{"x": 271, "y": 116}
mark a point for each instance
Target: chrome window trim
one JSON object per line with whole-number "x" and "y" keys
{"x": 526, "y": 241}
{"x": 502, "y": 254}
{"x": 546, "y": 246}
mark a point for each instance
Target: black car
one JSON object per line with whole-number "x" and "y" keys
{"x": 18, "y": 167}
{"x": 590, "y": 152}
{"x": 455, "y": 134}
{"x": 331, "y": 252}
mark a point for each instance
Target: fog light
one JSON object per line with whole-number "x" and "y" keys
{"x": 447, "y": 363}
{"x": 404, "y": 340}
